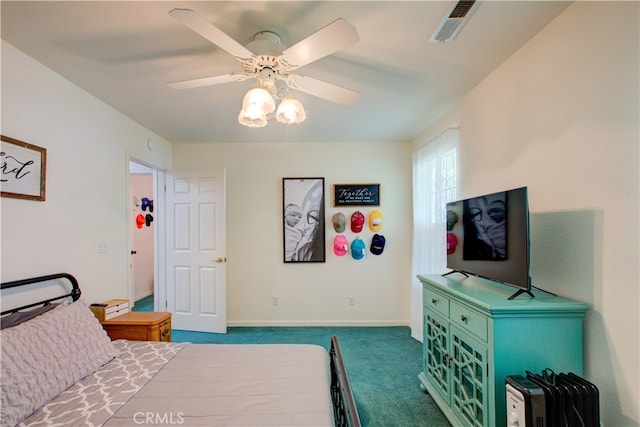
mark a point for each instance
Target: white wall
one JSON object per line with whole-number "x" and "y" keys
{"x": 88, "y": 144}
{"x": 561, "y": 116}
{"x": 314, "y": 293}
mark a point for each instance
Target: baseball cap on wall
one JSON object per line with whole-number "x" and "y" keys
{"x": 357, "y": 221}
{"x": 377, "y": 244}
{"x": 357, "y": 248}
{"x": 340, "y": 245}
{"x": 339, "y": 222}
{"x": 375, "y": 221}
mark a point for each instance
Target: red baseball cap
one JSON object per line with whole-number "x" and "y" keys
{"x": 357, "y": 221}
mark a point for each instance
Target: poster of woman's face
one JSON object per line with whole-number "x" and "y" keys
{"x": 485, "y": 227}
{"x": 303, "y": 219}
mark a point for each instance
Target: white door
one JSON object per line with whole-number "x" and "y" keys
{"x": 196, "y": 250}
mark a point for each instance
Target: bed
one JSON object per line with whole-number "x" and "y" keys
{"x": 60, "y": 368}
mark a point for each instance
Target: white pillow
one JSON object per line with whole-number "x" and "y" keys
{"x": 46, "y": 355}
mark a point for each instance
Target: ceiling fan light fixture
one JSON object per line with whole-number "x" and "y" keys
{"x": 290, "y": 111}
{"x": 259, "y": 98}
{"x": 246, "y": 119}
{"x": 256, "y": 106}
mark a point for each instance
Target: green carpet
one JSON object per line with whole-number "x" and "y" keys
{"x": 383, "y": 364}
{"x": 144, "y": 304}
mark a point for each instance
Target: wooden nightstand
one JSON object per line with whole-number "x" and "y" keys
{"x": 140, "y": 326}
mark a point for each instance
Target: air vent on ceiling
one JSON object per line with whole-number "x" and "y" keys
{"x": 453, "y": 21}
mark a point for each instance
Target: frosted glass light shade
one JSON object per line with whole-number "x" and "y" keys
{"x": 290, "y": 111}
{"x": 251, "y": 120}
{"x": 256, "y": 106}
{"x": 260, "y": 98}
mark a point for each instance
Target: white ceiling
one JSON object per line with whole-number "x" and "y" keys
{"x": 124, "y": 53}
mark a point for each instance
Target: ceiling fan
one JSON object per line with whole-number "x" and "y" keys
{"x": 266, "y": 60}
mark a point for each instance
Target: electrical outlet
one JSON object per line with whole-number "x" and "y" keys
{"x": 352, "y": 301}
{"x": 274, "y": 300}
{"x": 103, "y": 247}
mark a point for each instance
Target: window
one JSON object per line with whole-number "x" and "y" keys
{"x": 435, "y": 182}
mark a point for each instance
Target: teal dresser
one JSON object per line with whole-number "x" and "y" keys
{"x": 474, "y": 337}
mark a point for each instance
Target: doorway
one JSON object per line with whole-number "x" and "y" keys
{"x": 143, "y": 236}
{"x": 187, "y": 248}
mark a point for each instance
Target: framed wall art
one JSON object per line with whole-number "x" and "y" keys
{"x": 356, "y": 195}
{"x": 22, "y": 169}
{"x": 303, "y": 220}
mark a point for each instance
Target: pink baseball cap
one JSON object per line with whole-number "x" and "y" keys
{"x": 340, "y": 245}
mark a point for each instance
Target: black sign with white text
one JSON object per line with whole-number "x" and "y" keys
{"x": 356, "y": 195}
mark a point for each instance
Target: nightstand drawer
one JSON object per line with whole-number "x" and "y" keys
{"x": 435, "y": 301}
{"x": 165, "y": 331}
{"x": 469, "y": 320}
{"x": 110, "y": 309}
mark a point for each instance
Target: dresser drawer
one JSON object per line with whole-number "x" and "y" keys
{"x": 116, "y": 309}
{"x": 469, "y": 320}
{"x": 110, "y": 309}
{"x": 435, "y": 301}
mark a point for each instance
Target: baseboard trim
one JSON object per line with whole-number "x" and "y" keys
{"x": 317, "y": 323}
{"x": 142, "y": 295}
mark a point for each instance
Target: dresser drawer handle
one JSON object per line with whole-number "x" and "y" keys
{"x": 165, "y": 332}
{"x": 433, "y": 300}
{"x": 463, "y": 318}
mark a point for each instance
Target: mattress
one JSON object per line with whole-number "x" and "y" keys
{"x": 236, "y": 385}
{"x": 153, "y": 383}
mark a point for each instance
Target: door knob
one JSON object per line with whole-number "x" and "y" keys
{"x": 133, "y": 252}
{"x": 221, "y": 259}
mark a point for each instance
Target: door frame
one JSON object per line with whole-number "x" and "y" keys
{"x": 159, "y": 277}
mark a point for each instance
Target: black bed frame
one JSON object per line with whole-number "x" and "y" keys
{"x": 74, "y": 293}
{"x": 345, "y": 410}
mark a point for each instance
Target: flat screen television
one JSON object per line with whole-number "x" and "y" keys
{"x": 488, "y": 236}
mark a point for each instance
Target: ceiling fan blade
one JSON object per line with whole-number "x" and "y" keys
{"x": 322, "y": 89}
{"x": 208, "y": 81}
{"x": 327, "y": 40}
{"x": 210, "y": 32}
